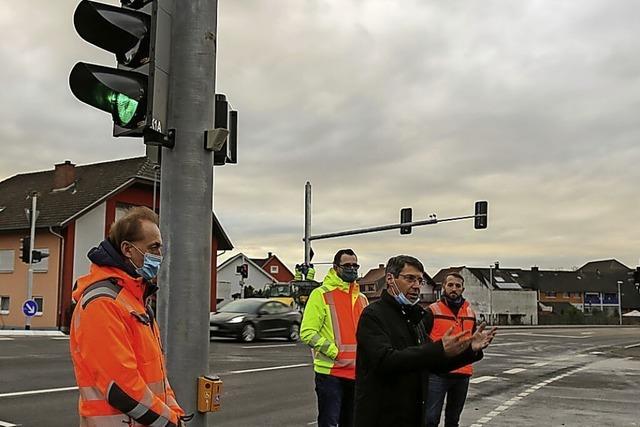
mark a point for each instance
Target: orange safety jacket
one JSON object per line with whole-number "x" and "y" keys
{"x": 117, "y": 355}
{"x": 443, "y": 319}
{"x": 329, "y": 326}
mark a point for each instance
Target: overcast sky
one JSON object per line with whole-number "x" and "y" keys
{"x": 531, "y": 105}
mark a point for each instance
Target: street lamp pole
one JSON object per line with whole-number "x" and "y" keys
{"x": 491, "y": 294}
{"x": 619, "y": 302}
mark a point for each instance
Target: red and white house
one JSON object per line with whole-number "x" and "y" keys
{"x": 76, "y": 205}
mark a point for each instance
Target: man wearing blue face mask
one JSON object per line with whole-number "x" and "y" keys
{"x": 329, "y": 327}
{"x": 115, "y": 342}
{"x": 395, "y": 352}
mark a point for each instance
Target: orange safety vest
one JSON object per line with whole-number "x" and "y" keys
{"x": 117, "y": 355}
{"x": 344, "y": 321}
{"x": 443, "y": 319}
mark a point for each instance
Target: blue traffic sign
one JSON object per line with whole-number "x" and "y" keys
{"x": 30, "y": 308}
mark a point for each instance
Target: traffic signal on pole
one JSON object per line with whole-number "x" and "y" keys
{"x": 135, "y": 93}
{"x": 38, "y": 256}
{"x": 636, "y": 278}
{"x": 25, "y": 247}
{"x": 406, "y": 215}
{"x": 481, "y": 215}
{"x": 228, "y": 120}
{"x": 243, "y": 270}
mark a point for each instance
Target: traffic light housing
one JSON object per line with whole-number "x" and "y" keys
{"x": 225, "y": 119}
{"x": 135, "y": 93}
{"x": 636, "y": 277}
{"x": 480, "y": 220}
{"x": 38, "y": 256}
{"x": 406, "y": 215}
{"x": 25, "y": 247}
{"x": 243, "y": 270}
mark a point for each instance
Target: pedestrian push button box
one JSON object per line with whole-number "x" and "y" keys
{"x": 209, "y": 392}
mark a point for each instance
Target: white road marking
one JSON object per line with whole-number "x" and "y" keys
{"x": 479, "y": 380}
{"x": 510, "y": 343}
{"x": 6, "y": 424}
{"x": 506, "y": 405}
{"x": 632, "y": 345}
{"x": 537, "y": 365}
{"x": 532, "y": 334}
{"x": 312, "y": 423}
{"x": 26, "y": 393}
{"x": 514, "y": 371}
{"x": 60, "y": 338}
{"x": 498, "y": 355}
{"x": 5, "y": 339}
{"x": 269, "y": 346}
{"x": 597, "y": 352}
{"x": 271, "y": 368}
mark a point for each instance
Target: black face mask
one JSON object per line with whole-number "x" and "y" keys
{"x": 348, "y": 274}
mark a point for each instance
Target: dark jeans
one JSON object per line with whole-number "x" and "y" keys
{"x": 335, "y": 401}
{"x": 455, "y": 389}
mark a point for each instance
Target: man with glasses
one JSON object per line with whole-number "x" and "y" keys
{"x": 329, "y": 327}
{"x": 395, "y": 352}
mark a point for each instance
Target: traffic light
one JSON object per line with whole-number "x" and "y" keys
{"x": 481, "y": 215}
{"x": 636, "y": 278}
{"x": 135, "y": 93}
{"x": 228, "y": 120}
{"x": 406, "y": 215}
{"x": 25, "y": 247}
{"x": 243, "y": 270}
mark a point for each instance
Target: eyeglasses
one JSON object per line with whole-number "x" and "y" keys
{"x": 356, "y": 266}
{"x": 412, "y": 279}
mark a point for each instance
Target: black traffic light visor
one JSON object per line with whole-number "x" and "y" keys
{"x": 118, "y": 92}
{"x": 124, "y": 32}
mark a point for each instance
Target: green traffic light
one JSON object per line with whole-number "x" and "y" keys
{"x": 124, "y": 106}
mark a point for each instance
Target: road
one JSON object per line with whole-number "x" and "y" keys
{"x": 529, "y": 377}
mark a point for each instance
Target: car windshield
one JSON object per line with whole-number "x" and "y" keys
{"x": 280, "y": 291}
{"x": 241, "y": 306}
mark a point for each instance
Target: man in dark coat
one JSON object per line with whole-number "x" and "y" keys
{"x": 395, "y": 354}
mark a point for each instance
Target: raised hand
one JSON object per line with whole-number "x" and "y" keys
{"x": 481, "y": 339}
{"x": 455, "y": 344}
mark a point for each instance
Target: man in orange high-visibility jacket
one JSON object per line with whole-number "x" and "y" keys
{"x": 115, "y": 343}
{"x": 329, "y": 326}
{"x": 451, "y": 311}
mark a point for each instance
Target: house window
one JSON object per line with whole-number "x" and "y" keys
{"x": 40, "y": 303}
{"x": 551, "y": 294}
{"x": 43, "y": 265}
{"x": 7, "y": 259}
{"x": 4, "y": 305}
{"x": 273, "y": 269}
{"x": 363, "y": 288}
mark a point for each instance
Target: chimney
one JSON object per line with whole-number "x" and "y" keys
{"x": 381, "y": 266}
{"x": 497, "y": 266}
{"x": 269, "y": 254}
{"x": 64, "y": 175}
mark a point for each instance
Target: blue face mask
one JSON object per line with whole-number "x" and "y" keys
{"x": 402, "y": 298}
{"x": 150, "y": 266}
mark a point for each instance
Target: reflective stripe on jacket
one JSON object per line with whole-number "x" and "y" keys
{"x": 329, "y": 325}
{"x": 443, "y": 319}
{"x": 117, "y": 355}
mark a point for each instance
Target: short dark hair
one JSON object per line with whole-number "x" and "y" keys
{"x": 454, "y": 274}
{"x": 338, "y": 255}
{"x": 129, "y": 227}
{"x": 397, "y": 263}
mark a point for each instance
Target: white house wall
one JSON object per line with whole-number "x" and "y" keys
{"x": 257, "y": 279}
{"x": 89, "y": 233}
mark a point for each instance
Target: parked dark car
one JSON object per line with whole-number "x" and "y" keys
{"x": 251, "y": 318}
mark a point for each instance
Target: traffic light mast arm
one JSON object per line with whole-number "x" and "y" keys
{"x": 387, "y": 227}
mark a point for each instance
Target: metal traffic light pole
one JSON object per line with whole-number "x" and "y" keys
{"x": 32, "y": 234}
{"x": 405, "y": 227}
{"x": 186, "y": 200}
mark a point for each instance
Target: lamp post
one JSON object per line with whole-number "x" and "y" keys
{"x": 491, "y": 295}
{"x": 619, "y": 302}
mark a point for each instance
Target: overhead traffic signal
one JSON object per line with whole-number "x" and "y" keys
{"x": 243, "y": 270}
{"x": 480, "y": 220}
{"x": 406, "y": 215}
{"x": 135, "y": 93}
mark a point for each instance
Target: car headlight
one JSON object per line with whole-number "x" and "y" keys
{"x": 236, "y": 319}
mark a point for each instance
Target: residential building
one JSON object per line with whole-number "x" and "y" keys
{"x": 373, "y": 282}
{"x": 76, "y": 206}
{"x": 231, "y": 283}
{"x": 275, "y": 267}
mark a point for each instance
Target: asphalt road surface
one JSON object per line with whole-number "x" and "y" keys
{"x": 529, "y": 377}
